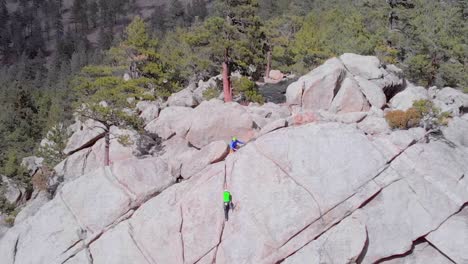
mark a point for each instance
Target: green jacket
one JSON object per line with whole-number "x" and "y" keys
{"x": 227, "y": 197}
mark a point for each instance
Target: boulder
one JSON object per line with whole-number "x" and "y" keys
{"x": 346, "y": 118}
{"x": 341, "y": 244}
{"x": 214, "y": 120}
{"x": 367, "y": 67}
{"x": 90, "y": 131}
{"x": 11, "y": 191}
{"x": 320, "y": 86}
{"x": 316, "y": 89}
{"x": 373, "y": 93}
{"x": 422, "y": 253}
{"x": 452, "y": 101}
{"x": 457, "y": 131}
{"x": 374, "y": 125}
{"x": 183, "y": 98}
{"x": 143, "y": 178}
{"x": 150, "y": 113}
{"x": 280, "y": 123}
{"x": 405, "y": 99}
{"x": 32, "y": 164}
{"x": 171, "y": 121}
{"x": 32, "y": 207}
{"x": 276, "y": 75}
{"x": 202, "y": 87}
{"x": 212, "y": 153}
{"x": 452, "y": 236}
{"x": 349, "y": 98}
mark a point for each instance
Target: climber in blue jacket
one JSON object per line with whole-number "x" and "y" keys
{"x": 234, "y": 145}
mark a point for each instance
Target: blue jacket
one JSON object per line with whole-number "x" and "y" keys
{"x": 234, "y": 143}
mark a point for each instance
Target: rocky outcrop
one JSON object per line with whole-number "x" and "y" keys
{"x": 10, "y": 190}
{"x": 213, "y": 120}
{"x": 183, "y": 98}
{"x": 87, "y": 134}
{"x": 321, "y": 180}
{"x": 452, "y": 236}
{"x": 405, "y": 99}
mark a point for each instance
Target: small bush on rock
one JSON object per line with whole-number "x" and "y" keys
{"x": 210, "y": 93}
{"x": 248, "y": 89}
{"x": 423, "y": 113}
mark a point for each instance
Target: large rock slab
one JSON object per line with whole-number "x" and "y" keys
{"x": 117, "y": 246}
{"x": 321, "y": 85}
{"x": 172, "y": 120}
{"x": 422, "y": 253}
{"x": 96, "y": 200}
{"x": 214, "y": 120}
{"x": 32, "y": 207}
{"x": 143, "y": 178}
{"x": 183, "y": 222}
{"x": 89, "y": 132}
{"x": 452, "y": 101}
{"x": 457, "y": 131}
{"x": 51, "y": 234}
{"x": 452, "y": 237}
{"x": 212, "y": 153}
{"x": 349, "y": 98}
{"x": 341, "y": 244}
{"x": 373, "y": 93}
{"x": 11, "y": 191}
{"x": 422, "y": 188}
{"x": 150, "y": 113}
{"x": 405, "y": 99}
{"x": 183, "y": 98}
{"x": 299, "y": 195}
{"x": 374, "y": 125}
{"x": 367, "y": 67}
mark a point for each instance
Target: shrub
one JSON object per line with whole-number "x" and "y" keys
{"x": 423, "y": 113}
{"x": 401, "y": 119}
{"x": 210, "y": 93}
{"x": 248, "y": 89}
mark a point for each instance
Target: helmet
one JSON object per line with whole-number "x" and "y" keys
{"x": 234, "y": 138}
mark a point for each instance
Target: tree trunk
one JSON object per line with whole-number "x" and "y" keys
{"x": 227, "y": 78}
{"x": 268, "y": 66}
{"x": 107, "y": 148}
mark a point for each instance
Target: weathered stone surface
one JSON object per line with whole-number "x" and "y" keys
{"x": 90, "y": 131}
{"x": 452, "y": 101}
{"x": 346, "y": 118}
{"x": 203, "y": 86}
{"x": 212, "y": 153}
{"x": 96, "y": 200}
{"x": 349, "y": 98}
{"x": 11, "y": 191}
{"x": 374, "y": 125}
{"x": 172, "y": 120}
{"x": 423, "y": 189}
{"x": 341, "y": 244}
{"x": 405, "y": 99}
{"x": 422, "y": 253}
{"x": 321, "y": 85}
{"x": 49, "y": 236}
{"x": 452, "y": 237}
{"x": 214, "y": 120}
{"x": 183, "y": 98}
{"x": 81, "y": 258}
{"x": 276, "y": 75}
{"x": 117, "y": 246}
{"x": 367, "y": 67}
{"x": 32, "y": 207}
{"x": 457, "y": 131}
{"x": 373, "y": 93}
{"x": 150, "y": 113}
{"x": 280, "y": 123}
{"x": 32, "y": 164}
{"x": 143, "y": 178}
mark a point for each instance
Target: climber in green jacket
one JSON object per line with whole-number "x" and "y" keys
{"x": 227, "y": 203}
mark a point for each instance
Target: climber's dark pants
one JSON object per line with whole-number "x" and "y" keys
{"x": 226, "y": 210}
